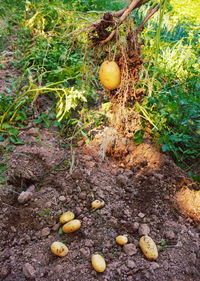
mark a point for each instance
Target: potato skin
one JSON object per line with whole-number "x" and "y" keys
{"x": 59, "y": 249}
{"x": 121, "y": 240}
{"x": 148, "y": 247}
{"x": 109, "y": 75}
{"x": 97, "y": 204}
{"x": 66, "y": 217}
{"x": 98, "y": 263}
{"x": 71, "y": 226}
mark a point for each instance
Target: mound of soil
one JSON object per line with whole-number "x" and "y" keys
{"x": 139, "y": 189}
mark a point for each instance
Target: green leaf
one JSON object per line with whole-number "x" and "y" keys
{"x": 15, "y": 140}
{"x": 4, "y": 168}
{"x": 138, "y": 137}
{"x": 60, "y": 231}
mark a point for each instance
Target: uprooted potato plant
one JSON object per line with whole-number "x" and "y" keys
{"x": 116, "y": 38}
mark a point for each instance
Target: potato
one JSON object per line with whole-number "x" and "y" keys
{"x": 121, "y": 240}
{"x": 148, "y": 247}
{"x": 66, "y": 217}
{"x": 97, "y": 204}
{"x": 59, "y": 249}
{"x": 98, "y": 263}
{"x": 109, "y": 75}
{"x": 71, "y": 226}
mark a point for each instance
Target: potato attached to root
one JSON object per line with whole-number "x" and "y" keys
{"x": 98, "y": 263}
{"x": 109, "y": 75}
{"x": 121, "y": 240}
{"x": 66, "y": 217}
{"x": 59, "y": 249}
{"x": 97, "y": 204}
{"x": 148, "y": 247}
{"x": 71, "y": 226}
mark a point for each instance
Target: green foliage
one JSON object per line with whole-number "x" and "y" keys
{"x": 96, "y": 5}
{"x": 172, "y": 84}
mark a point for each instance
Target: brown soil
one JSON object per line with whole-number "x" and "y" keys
{"x": 139, "y": 191}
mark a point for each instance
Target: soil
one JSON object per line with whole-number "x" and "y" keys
{"x": 139, "y": 187}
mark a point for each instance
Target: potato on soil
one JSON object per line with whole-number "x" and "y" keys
{"x": 121, "y": 240}
{"x": 66, "y": 217}
{"x": 98, "y": 263}
{"x": 59, "y": 249}
{"x": 148, "y": 247}
{"x": 97, "y": 204}
{"x": 109, "y": 75}
{"x": 71, "y": 226}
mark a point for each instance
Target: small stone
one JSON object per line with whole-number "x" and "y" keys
{"x": 90, "y": 164}
{"x": 89, "y": 243}
{"x": 33, "y": 132}
{"x": 143, "y": 229}
{"x": 130, "y": 249}
{"x": 85, "y": 252}
{"x": 78, "y": 210}
{"x": 45, "y": 231}
{"x": 121, "y": 180}
{"x": 82, "y": 195}
{"x": 31, "y": 188}
{"x": 130, "y": 264}
{"x": 62, "y": 198}
{"x": 193, "y": 258}
{"x": 13, "y": 229}
{"x": 136, "y": 226}
{"x": 170, "y": 234}
{"x": 141, "y": 215}
{"x": 154, "y": 266}
{"x": 4, "y": 271}
{"x": 48, "y": 205}
{"x": 28, "y": 270}
{"x": 56, "y": 227}
{"x": 24, "y": 197}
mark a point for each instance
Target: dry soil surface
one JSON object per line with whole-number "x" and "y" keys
{"x": 139, "y": 199}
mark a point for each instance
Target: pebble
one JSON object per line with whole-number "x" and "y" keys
{"x": 24, "y": 197}
{"x": 33, "y": 132}
{"x": 28, "y": 270}
{"x": 45, "y": 231}
{"x": 31, "y": 188}
{"x": 85, "y": 252}
{"x": 170, "y": 234}
{"x": 121, "y": 180}
{"x": 82, "y": 195}
{"x": 89, "y": 243}
{"x": 143, "y": 229}
{"x": 130, "y": 264}
{"x": 62, "y": 198}
{"x": 141, "y": 215}
{"x": 56, "y": 227}
{"x": 193, "y": 258}
{"x": 136, "y": 225}
{"x": 13, "y": 229}
{"x": 48, "y": 205}
{"x": 130, "y": 249}
{"x": 4, "y": 271}
{"x": 154, "y": 266}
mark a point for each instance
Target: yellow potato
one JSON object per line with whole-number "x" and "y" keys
{"x": 121, "y": 240}
{"x": 97, "y": 204}
{"x": 148, "y": 247}
{"x": 66, "y": 217}
{"x": 109, "y": 75}
{"x": 98, "y": 263}
{"x": 71, "y": 226}
{"x": 59, "y": 249}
